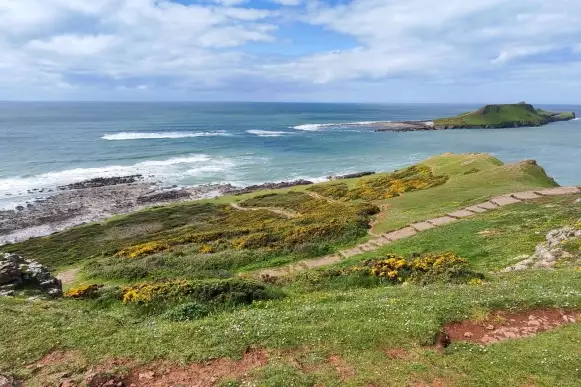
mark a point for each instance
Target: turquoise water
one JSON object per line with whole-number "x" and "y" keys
{"x": 47, "y": 144}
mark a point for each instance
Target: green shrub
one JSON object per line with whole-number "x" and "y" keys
{"x": 188, "y": 311}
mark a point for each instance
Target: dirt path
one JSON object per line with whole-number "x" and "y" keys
{"x": 389, "y": 237}
{"x": 279, "y": 211}
{"x": 68, "y": 277}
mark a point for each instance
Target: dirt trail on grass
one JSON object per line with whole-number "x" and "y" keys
{"x": 279, "y": 211}
{"x": 68, "y": 277}
{"x": 389, "y": 237}
{"x": 315, "y": 195}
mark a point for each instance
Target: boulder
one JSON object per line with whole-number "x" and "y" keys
{"x": 17, "y": 272}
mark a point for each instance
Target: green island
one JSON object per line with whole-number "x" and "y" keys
{"x": 503, "y": 116}
{"x": 259, "y": 290}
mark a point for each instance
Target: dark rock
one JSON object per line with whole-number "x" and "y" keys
{"x": 352, "y": 175}
{"x": 16, "y": 271}
{"x": 20, "y": 208}
{"x": 164, "y": 196}
{"x": 260, "y": 187}
{"x": 102, "y": 182}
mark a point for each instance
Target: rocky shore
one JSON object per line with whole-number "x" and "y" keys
{"x": 98, "y": 199}
{"x": 403, "y": 126}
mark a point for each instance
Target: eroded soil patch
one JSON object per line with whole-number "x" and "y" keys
{"x": 197, "y": 374}
{"x": 502, "y": 326}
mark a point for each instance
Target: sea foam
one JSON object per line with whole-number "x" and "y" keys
{"x": 172, "y": 169}
{"x": 160, "y": 135}
{"x": 315, "y": 127}
{"x": 267, "y": 133}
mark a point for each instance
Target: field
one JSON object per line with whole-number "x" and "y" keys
{"x": 177, "y": 299}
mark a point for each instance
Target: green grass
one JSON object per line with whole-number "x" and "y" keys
{"x": 312, "y": 318}
{"x": 462, "y": 190}
{"x": 356, "y": 324}
{"x": 503, "y": 116}
{"x": 493, "y": 240}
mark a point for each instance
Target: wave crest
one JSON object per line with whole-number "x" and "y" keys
{"x": 160, "y": 135}
{"x": 315, "y": 127}
{"x": 267, "y": 133}
{"x": 173, "y": 169}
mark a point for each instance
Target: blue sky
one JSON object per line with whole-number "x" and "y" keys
{"x": 291, "y": 50}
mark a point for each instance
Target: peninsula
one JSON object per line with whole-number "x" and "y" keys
{"x": 487, "y": 117}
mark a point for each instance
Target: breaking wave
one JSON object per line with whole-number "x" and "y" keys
{"x": 197, "y": 165}
{"x": 267, "y": 133}
{"x": 315, "y": 127}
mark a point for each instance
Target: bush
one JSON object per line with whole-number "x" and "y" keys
{"x": 228, "y": 291}
{"x": 142, "y": 249}
{"x": 335, "y": 191}
{"x": 84, "y": 291}
{"x": 187, "y": 312}
{"x": 447, "y": 267}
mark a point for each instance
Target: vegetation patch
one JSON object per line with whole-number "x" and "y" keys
{"x": 229, "y": 291}
{"x": 337, "y": 191}
{"x": 414, "y": 178}
{"x": 84, "y": 291}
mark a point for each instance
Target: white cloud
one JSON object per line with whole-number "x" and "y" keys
{"x": 210, "y": 44}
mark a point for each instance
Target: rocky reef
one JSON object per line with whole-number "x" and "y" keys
{"x": 18, "y": 273}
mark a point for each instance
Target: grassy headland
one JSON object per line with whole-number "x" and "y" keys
{"x": 503, "y": 116}
{"x": 175, "y": 286}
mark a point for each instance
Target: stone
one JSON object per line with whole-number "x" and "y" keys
{"x": 468, "y": 335}
{"x": 558, "y": 191}
{"x": 504, "y": 200}
{"x": 476, "y": 209}
{"x": 461, "y": 214}
{"x": 423, "y": 226}
{"x": 6, "y": 381}
{"x": 528, "y": 195}
{"x": 487, "y": 205}
{"x": 147, "y": 375}
{"x": 490, "y": 327}
{"x": 441, "y": 221}
{"x": 401, "y": 234}
{"x": 16, "y": 271}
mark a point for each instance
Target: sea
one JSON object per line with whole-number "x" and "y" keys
{"x": 47, "y": 144}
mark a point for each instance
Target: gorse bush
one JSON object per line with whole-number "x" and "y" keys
{"x": 84, "y": 291}
{"x": 228, "y": 291}
{"x": 319, "y": 221}
{"x": 447, "y": 267}
{"x": 414, "y": 178}
{"x": 335, "y": 191}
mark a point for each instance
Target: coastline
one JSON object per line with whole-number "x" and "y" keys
{"x": 102, "y": 198}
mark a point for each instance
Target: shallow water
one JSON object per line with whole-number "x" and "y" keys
{"x": 43, "y": 145}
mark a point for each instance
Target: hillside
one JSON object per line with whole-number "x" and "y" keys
{"x": 503, "y": 116}
{"x": 171, "y": 295}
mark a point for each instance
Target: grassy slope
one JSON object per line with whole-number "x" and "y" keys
{"x": 503, "y": 116}
{"x": 358, "y": 324}
{"x": 97, "y": 242}
{"x": 465, "y": 187}
{"x": 490, "y": 241}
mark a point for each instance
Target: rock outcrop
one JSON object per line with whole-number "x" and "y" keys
{"x": 547, "y": 253}
{"x": 17, "y": 273}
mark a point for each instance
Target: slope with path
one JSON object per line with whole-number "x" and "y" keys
{"x": 384, "y": 239}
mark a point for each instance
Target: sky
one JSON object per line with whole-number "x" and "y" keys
{"x": 291, "y": 50}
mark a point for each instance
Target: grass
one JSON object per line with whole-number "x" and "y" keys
{"x": 503, "y": 116}
{"x": 490, "y": 241}
{"x": 462, "y": 189}
{"x": 310, "y": 319}
{"x": 356, "y": 324}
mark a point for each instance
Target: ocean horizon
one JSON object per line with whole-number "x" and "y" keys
{"x": 47, "y": 144}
